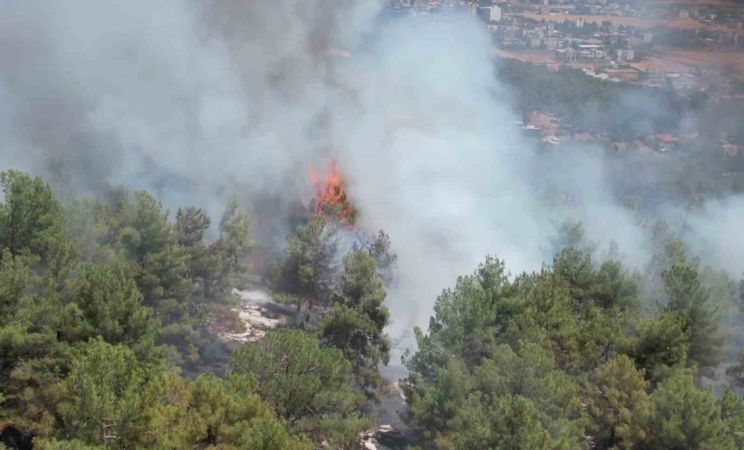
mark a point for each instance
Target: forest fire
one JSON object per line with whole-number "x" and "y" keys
{"x": 330, "y": 197}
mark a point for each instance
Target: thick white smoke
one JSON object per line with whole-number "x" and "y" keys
{"x": 716, "y": 234}
{"x": 434, "y": 160}
{"x": 198, "y": 100}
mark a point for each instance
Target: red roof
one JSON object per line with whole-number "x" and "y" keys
{"x": 665, "y": 137}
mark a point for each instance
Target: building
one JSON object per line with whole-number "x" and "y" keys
{"x": 655, "y": 76}
{"x": 624, "y": 74}
{"x": 552, "y": 42}
{"x": 566, "y": 54}
{"x": 624, "y": 54}
{"x": 495, "y": 15}
{"x": 490, "y": 14}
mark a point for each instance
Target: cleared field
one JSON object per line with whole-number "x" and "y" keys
{"x": 526, "y": 56}
{"x": 665, "y": 59}
{"x": 727, "y": 60}
{"x": 662, "y": 64}
{"x": 622, "y": 20}
{"x": 694, "y": 2}
{"x": 540, "y": 57}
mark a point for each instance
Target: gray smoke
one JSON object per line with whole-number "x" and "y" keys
{"x": 200, "y": 100}
{"x": 716, "y": 234}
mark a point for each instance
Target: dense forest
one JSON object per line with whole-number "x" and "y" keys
{"x": 568, "y": 357}
{"x": 622, "y": 110}
{"x": 692, "y": 170}
{"x": 594, "y": 104}
{"x": 109, "y": 308}
{"x": 575, "y": 284}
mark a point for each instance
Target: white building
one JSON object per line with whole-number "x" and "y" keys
{"x": 495, "y": 15}
{"x": 490, "y": 14}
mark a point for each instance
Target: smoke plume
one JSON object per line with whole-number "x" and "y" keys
{"x": 196, "y": 101}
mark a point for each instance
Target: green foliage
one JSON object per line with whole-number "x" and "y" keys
{"x": 468, "y": 318}
{"x": 30, "y": 363}
{"x": 667, "y": 250}
{"x": 732, "y": 414}
{"x": 269, "y": 434}
{"x": 379, "y": 247}
{"x": 616, "y": 288}
{"x": 502, "y": 362}
{"x": 512, "y": 399}
{"x": 185, "y": 281}
{"x": 32, "y": 227}
{"x": 474, "y": 361}
{"x": 619, "y": 109}
{"x": 688, "y": 297}
{"x": 223, "y": 268}
{"x": 617, "y": 405}
{"x": 30, "y": 215}
{"x": 102, "y": 395}
{"x": 236, "y": 239}
{"x": 502, "y": 422}
{"x": 662, "y": 345}
{"x": 572, "y": 234}
{"x": 79, "y": 364}
{"x": 109, "y": 399}
{"x": 95, "y": 296}
{"x": 546, "y": 314}
{"x": 356, "y": 323}
{"x": 108, "y": 305}
{"x": 307, "y": 271}
{"x": 211, "y": 412}
{"x": 15, "y": 280}
{"x": 55, "y": 444}
{"x": 309, "y": 386}
{"x": 531, "y": 373}
{"x": 736, "y": 371}
{"x": 684, "y": 416}
{"x": 191, "y": 224}
{"x": 137, "y": 231}
{"x": 222, "y": 405}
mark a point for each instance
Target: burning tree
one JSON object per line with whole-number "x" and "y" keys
{"x": 330, "y": 199}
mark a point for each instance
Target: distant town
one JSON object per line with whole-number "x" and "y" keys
{"x": 691, "y": 48}
{"x": 689, "y": 45}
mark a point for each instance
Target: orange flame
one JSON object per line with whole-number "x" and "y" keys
{"x": 330, "y": 194}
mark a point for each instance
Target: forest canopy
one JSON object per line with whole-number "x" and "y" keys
{"x": 110, "y": 309}
{"x": 111, "y": 316}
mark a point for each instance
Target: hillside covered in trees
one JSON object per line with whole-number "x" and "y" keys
{"x": 108, "y": 310}
{"x": 499, "y": 256}
{"x": 107, "y": 339}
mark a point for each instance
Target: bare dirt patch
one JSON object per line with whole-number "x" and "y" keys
{"x": 639, "y": 22}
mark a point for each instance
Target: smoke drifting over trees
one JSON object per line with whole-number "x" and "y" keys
{"x": 185, "y": 143}
{"x": 200, "y": 101}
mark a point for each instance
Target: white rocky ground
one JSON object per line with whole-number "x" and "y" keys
{"x": 259, "y": 313}
{"x": 370, "y": 440}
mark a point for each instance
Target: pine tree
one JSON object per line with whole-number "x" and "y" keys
{"x": 357, "y": 322}
{"x": 688, "y": 297}
{"x": 308, "y": 385}
{"x": 683, "y": 416}
{"x": 617, "y": 405}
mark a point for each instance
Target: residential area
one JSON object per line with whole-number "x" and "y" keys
{"x": 681, "y": 52}
{"x": 689, "y": 45}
